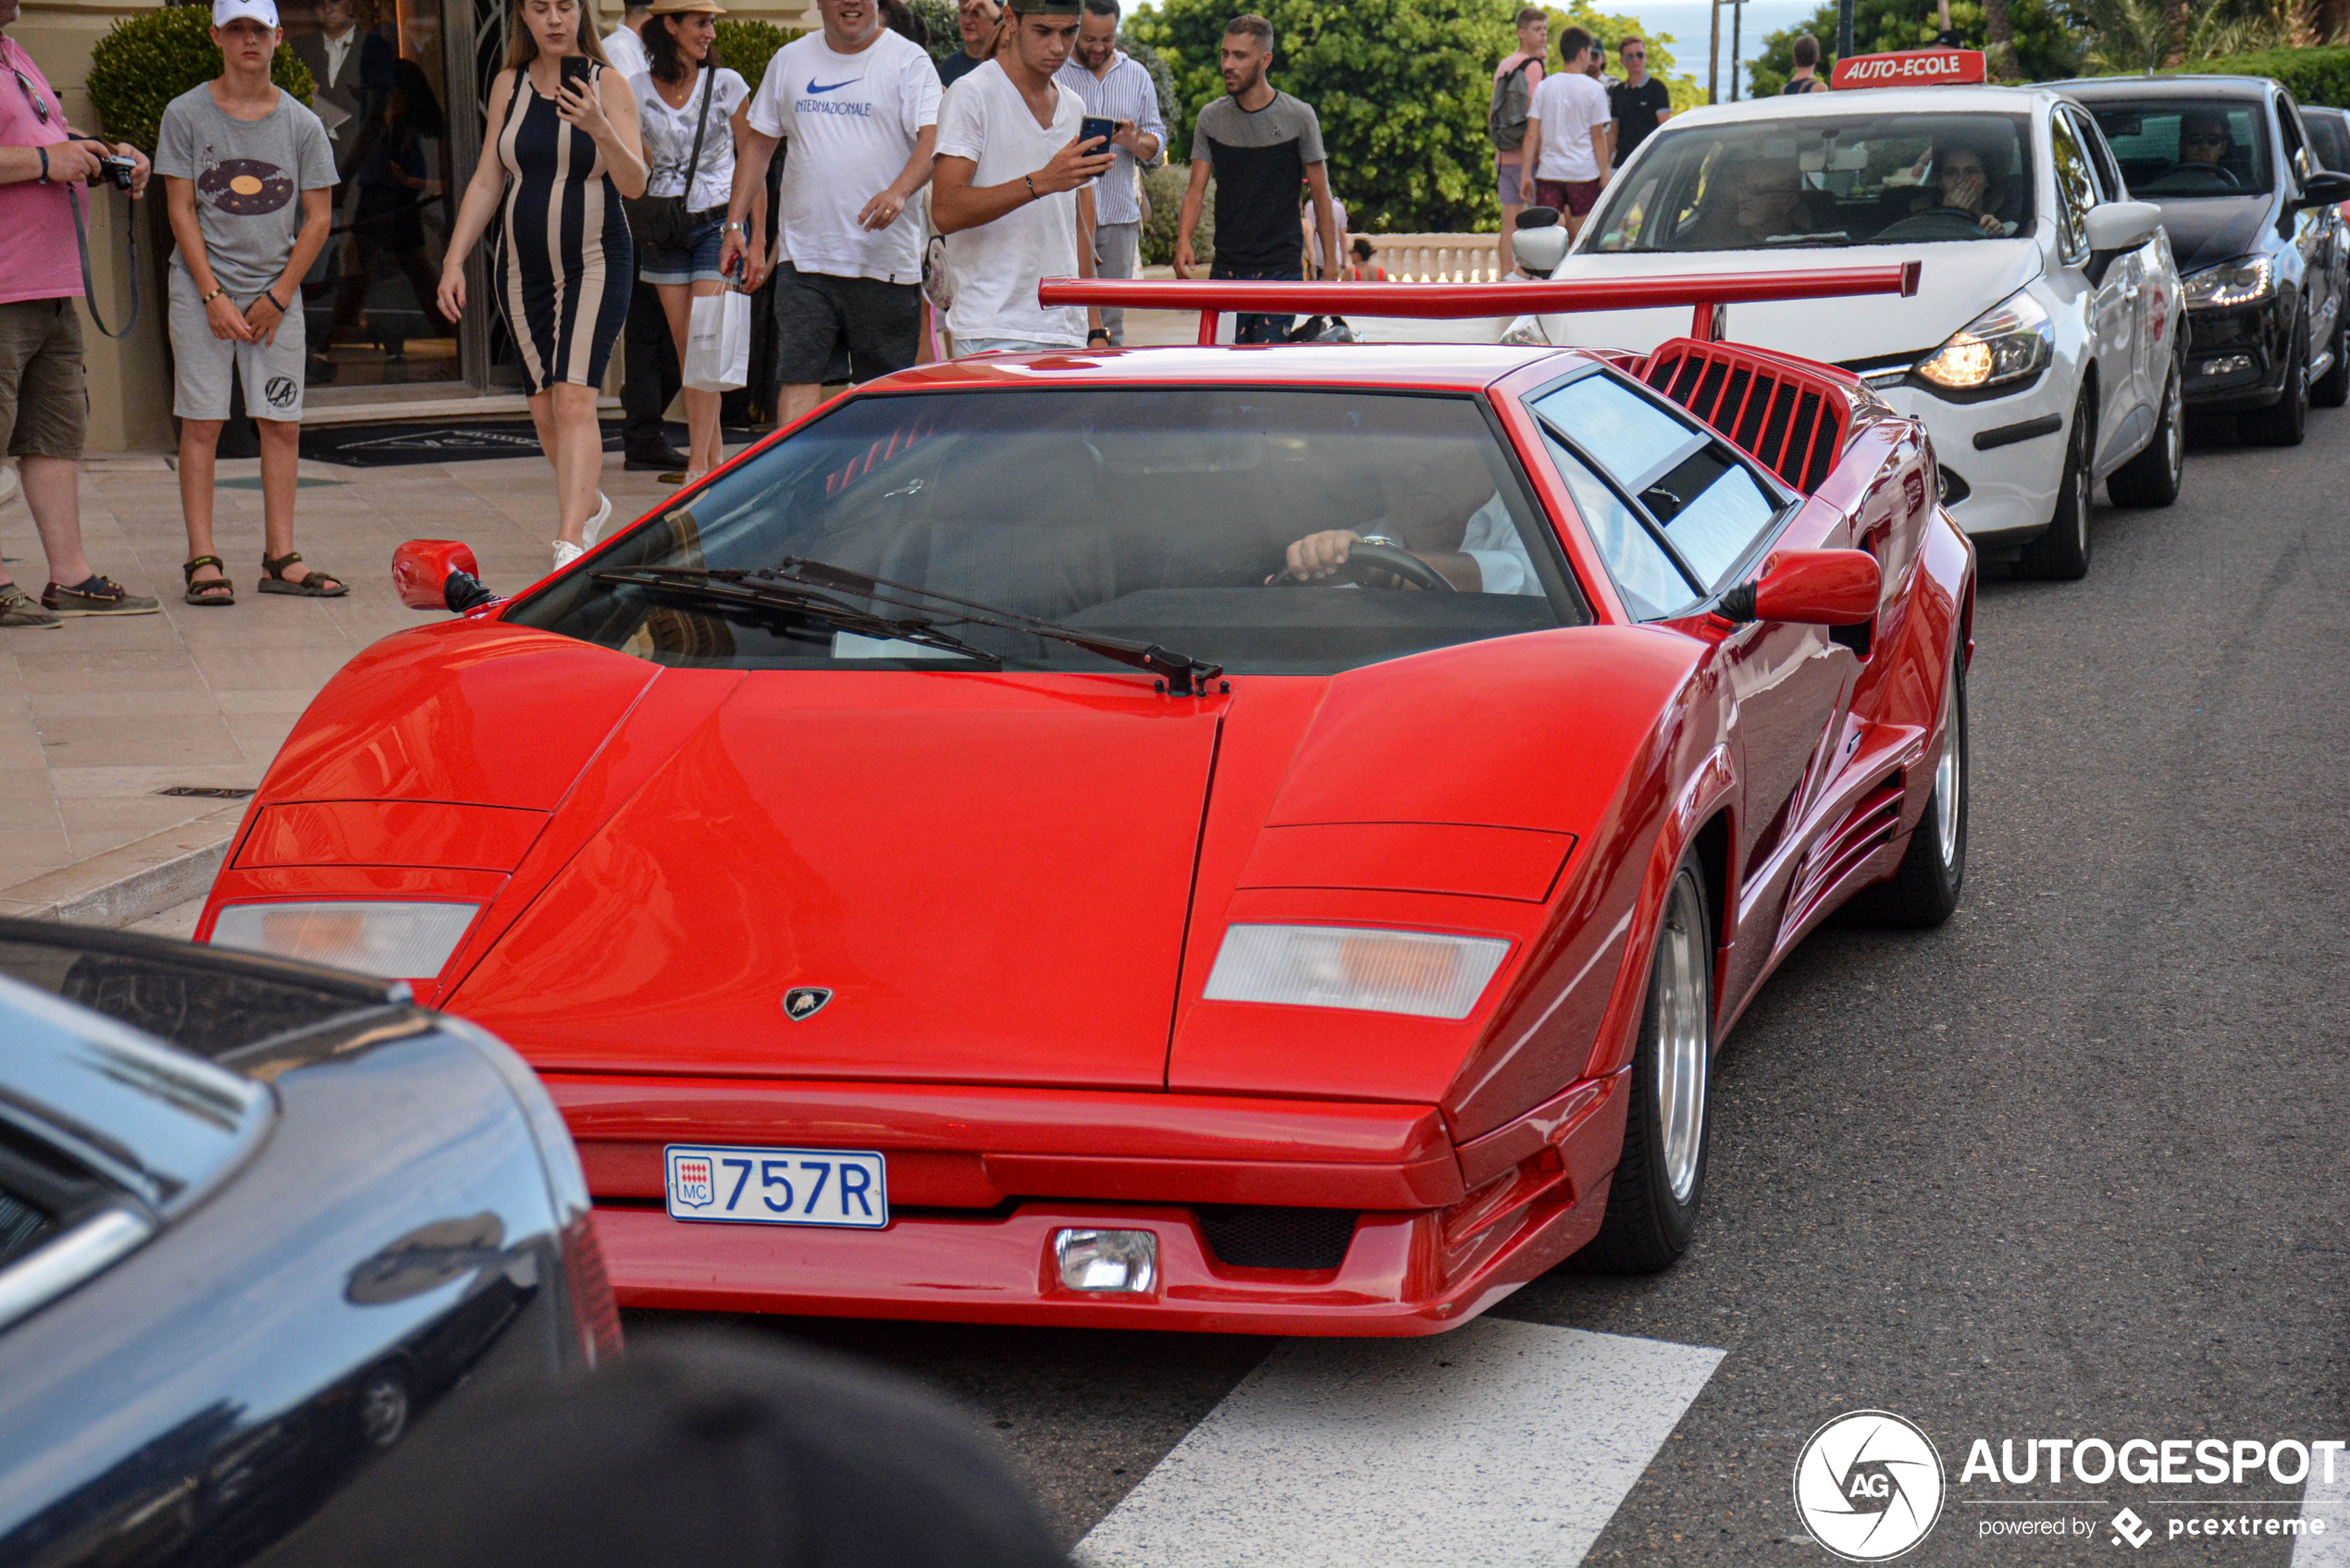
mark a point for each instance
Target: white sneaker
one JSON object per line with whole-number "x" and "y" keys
{"x": 566, "y": 553}
{"x": 595, "y": 529}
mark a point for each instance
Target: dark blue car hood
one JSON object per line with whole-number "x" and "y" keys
{"x": 2206, "y": 230}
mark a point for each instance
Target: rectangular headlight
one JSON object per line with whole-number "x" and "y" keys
{"x": 1380, "y": 971}
{"x": 399, "y": 940}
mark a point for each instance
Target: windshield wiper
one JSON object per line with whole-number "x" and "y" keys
{"x": 743, "y": 591}
{"x": 1184, "y": 675}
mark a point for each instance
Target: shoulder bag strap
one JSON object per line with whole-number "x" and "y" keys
{"x": 701, "y": 124}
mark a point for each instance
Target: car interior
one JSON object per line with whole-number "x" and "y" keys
{"x": 1868, "y": 180}
{"x": 2187, "y": 149}
{"x": 1161, "y": 515}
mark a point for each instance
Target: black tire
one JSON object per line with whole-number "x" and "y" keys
{"x": 2284, "y": 421}
{"x": 2061, "y": 554}
{"x": 1923, "y": 890}
{"x": 1648, "y": 1224}
{"x": 2151, "y": 478}
{"x": 2332, "y": 388}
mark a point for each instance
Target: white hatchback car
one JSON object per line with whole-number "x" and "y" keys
{"x": 2042, "y": 349}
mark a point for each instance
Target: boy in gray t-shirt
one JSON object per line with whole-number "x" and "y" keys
{"x": 249, "y": 177}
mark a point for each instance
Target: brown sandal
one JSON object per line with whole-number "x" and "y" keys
{"x": 217, "y": 590}
{"x": 309, "y": 585}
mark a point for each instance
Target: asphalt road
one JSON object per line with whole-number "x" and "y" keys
{"x": 2072, "y": 1166}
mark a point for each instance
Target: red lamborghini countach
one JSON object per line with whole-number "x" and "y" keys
{"x": 1258, "y": 839}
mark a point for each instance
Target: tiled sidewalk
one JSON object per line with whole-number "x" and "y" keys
{"x": 100, "y": 716}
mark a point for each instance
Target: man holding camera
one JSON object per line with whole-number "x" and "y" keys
{"x": 43, "y": 406}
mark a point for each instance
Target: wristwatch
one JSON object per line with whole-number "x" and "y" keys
{"x": 217, "y": 290}
{"x": 733, "y": 228}
{"x": 1101, "y": 332}
{"x": 1379, "y": 540}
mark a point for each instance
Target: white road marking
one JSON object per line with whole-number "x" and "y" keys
{"x": 1499, "y": 1444}
{"x": 2329, "y": 1500}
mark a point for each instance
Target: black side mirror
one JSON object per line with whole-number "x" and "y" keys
{"x": 2325, "y": 189}
{"x": 1538, "y": 217}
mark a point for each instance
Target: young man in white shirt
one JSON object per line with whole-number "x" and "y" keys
{"x": 1114, "y": 86}
{"x": 624, "y": 45}
{"x": 1567, "y": 133}
{"x": 1014, "y": 196}
{"x": 860, "y": 105}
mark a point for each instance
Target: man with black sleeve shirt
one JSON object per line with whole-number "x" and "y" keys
{"x": 1640, "y": 103}
{"x": 1260, "y": 144}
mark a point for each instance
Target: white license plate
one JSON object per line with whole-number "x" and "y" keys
{"x": 778, "y": 1186}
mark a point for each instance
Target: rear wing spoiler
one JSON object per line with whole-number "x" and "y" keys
{"x": 1707, "y": 293}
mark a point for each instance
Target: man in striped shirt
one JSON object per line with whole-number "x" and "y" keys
{"x": 1114, "y": 85}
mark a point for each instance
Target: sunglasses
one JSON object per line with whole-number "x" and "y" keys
{"x": 33, "y": 95}
{"x": 2203, "y": 138}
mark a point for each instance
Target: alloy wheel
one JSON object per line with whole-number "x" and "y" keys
{"x": 2174, "y": 423}
{"x": 1684, "y": 985}
{"x": 1950, "y": 780}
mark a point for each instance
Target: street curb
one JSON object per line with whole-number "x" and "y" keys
{"x": 127, "y": 885}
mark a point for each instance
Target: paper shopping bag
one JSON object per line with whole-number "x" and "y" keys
{"x": 718, "y": 342}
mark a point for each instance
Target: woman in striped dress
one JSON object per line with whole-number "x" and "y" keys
{"x": 562, "y": 156}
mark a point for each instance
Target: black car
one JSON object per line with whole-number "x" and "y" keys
{"x": 258, "y": 1221}
{"x": 2253, "y": 217}
{"x": 2329, "y": 136}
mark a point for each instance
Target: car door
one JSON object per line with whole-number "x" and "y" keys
{"x": 2152, "y": 314}
{"x": 1679, "y": 515}
{"x": 2107, "y": 298}
{"x": 2317, "y": 231}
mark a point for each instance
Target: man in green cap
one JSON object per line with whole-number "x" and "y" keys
{"x": 1013, "y": 191}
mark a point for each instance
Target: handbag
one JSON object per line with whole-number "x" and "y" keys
{"x": 718, "y": 342}
{"x": 662, "y": 223}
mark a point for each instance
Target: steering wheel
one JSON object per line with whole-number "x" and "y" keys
{"x": 1363, "y": 557}
{"x": 1935, "y": 223}
{"x": 2217, "y": 174}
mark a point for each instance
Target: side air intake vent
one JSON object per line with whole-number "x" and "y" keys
{"x": 1794, "y": 420}
{"x": 1260, "y": 1236}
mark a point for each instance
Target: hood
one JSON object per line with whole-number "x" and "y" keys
{"x": 1957, "y": 281}
{"x": 987, "y": 874}
{"x": 2206, "y": 230}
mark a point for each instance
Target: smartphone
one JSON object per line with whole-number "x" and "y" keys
{"x": 1094, "y": 128}
{"x": 575, "y": 69}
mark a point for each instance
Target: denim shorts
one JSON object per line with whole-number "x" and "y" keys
{"x": 696, "y": 263}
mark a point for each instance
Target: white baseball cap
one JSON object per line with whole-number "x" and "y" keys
{"x": 263, "y": 11}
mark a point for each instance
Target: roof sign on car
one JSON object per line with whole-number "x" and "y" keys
{"x": 1910, "y": 68}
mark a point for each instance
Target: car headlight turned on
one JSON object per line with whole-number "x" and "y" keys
{"x": 1417, "y": 973}
{"x": 2010, "y": 341}
{"x": 1526, "y": 332}
{"x": 401, "y": 941}
{"x": 2246, "y": 280}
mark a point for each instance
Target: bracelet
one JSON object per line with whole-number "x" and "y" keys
{"x": 273, "y": 299}
{"x": 217, "y": 290}
{"x": 733, "y": 228}
{"x": 1101, "y": 332}
{"x": 1027, "y": 180}
{"x": 44, "y": 164}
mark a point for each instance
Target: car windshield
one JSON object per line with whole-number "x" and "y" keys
{"x": 1162, "y": 515}
{"x": 2169, "y": 148}
{"x": 2330, "y": 139}
{"x": 1848, "y": 179}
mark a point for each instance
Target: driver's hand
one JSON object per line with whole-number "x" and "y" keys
{"x": 1320, "y": 555}
{"x": 1965, "y": 192}
{"x": 1989, "y": 223}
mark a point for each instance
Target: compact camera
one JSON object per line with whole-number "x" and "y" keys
{"x": 115, "y": 171}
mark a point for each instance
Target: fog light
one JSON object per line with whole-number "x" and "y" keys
{"x": 2227, "y": 364}
{"x": 1123, "y": 1261}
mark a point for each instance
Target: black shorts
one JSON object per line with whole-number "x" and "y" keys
{"x": 817, "y": 315}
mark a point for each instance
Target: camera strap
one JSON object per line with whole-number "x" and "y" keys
{"x": 90, "y": 289}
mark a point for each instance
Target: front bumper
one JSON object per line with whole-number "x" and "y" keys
{"x": 981, "y": 1181}
{"x": 2237, "y": 357}
{"x": 2011, "y": 487}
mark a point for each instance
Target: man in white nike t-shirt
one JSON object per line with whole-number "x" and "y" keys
{"x": 1015, "y": 195}
{"x": 859, "y": 104}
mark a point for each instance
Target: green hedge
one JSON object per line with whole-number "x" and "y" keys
{"x": 745, "y": 47}
{"x": 145, "y": 61}
{"x": 2315, "y": 76}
